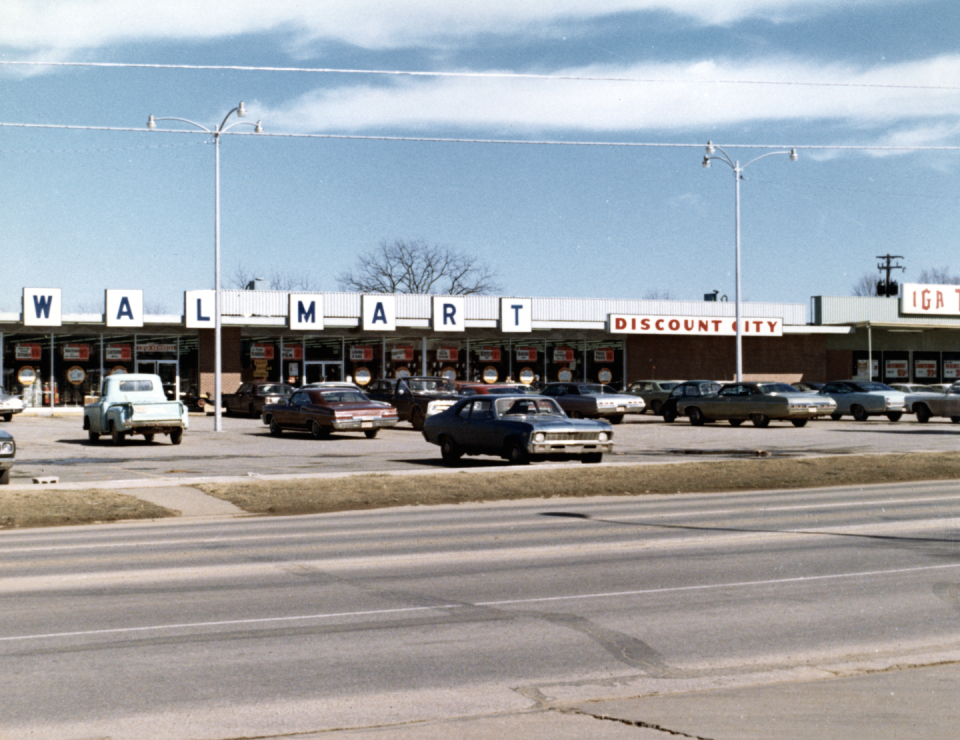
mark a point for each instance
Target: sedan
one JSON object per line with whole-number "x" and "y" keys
{"x": 250, "y": 398}
{"x": 321, "y": 412}
{"x": 864, "y": 398}
{"x": 653, "y": 392}
{"x": 8, "y": 452}
{"x": 516, "y": 428}
{"x": 9, "y": 405}
{"x": 758, "y": 402}
{"x": 492, "y": 389}
{"x": 687, "y": 389}
{"x": 592, "y": 401}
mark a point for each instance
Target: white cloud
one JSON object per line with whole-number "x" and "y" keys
{"x": 537, "y": 105}
{"x": 50, "y": 25}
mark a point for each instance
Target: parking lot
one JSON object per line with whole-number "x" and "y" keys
{"x": 57, "y": 446}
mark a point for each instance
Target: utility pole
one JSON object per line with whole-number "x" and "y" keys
{"x": 886, "y": 287}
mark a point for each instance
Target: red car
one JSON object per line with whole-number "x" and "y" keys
{"x": 322, "y": 411}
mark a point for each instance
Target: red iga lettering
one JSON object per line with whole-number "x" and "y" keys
{"x": 645, "y": 324}
{"x": 690, "y": 327}
{"x": 659, "y": 325}
{"x": 620, "y": 324}
{"x": 939, "y": 299}
{"x": 704, "y": 325}
{"x": 674, "y": 325}
{"x": 925, "y": 300}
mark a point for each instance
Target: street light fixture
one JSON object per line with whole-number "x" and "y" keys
{"x": 241, "y": 112}
{"x": 737, "y": 170}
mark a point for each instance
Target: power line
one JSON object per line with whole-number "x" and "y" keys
{"x": 527, "y": 142}
{"x": 481, "y": 75}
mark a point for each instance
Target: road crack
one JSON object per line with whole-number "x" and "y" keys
{"x": 630, "y": 723}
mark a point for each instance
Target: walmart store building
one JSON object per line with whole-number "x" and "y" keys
{"x": 58, "y": 359}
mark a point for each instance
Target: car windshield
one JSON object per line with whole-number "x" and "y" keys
{"x": 344, "y": 396}
{"x": 507, "y": 391}
{"x": 528, "y": 407}
{"x": 431, "y": 385}
{"x": 668, "y": 386}
{"x": 867, "y": 387}
{"x": 275, "y": 389}
{"x": 592, "y": 388}
{"x": 777, "y": 388}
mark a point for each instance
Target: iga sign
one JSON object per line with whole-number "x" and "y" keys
{"x": 692, "y": 326}
{"x": 934, "y": 300}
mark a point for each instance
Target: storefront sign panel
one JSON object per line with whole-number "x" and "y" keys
{"x": 897, "y": 369}
{"x": 692, "y": 326}
{"x": 447, "y": 354}
{"x": 449, "y": 313}
{"x": 951, "y": 369}
{"x": 306, "y": 311}
{"x": 79, "y": 352}
{"x": 28, "y": 352}
{"x": 925, "y": 368}
{"x": 526, "y": 354}
{"x": 117, "y": 352}
{"x": 363, "y": 354}
{"x": 931, "y": 300}
{"x": 261, "y": 352}
{"x": 293, "y": 353}
{"x": 489, "y": 354}
{"x": 516, "y": 315}
{"x": 124, "y": 308}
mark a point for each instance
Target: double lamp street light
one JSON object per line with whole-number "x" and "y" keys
{"x": 221, "y": 129}
{"x": 737, "y": 170}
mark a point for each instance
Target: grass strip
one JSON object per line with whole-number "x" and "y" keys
{"x": 22, "y": 510}
{"x": 322, "y": 495}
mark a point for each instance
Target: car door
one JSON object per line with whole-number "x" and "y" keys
{"x": 288, "y": 415}
{"x": 839, "y": 393}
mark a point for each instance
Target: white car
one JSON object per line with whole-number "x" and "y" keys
{"x": 9, "y": 405}
{"x": 863, "y": 399}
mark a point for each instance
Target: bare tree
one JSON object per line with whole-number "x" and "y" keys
{"x": 865, "y": 286}
{"x": 242, "y": 277}
{"x": 417, "y": 267}
{"x": 658, "y": 294}
{"x": 938, "y": 276}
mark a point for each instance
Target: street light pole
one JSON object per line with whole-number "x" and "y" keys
{"x": 241, "y": 111}
{"x": 737, "y": 174}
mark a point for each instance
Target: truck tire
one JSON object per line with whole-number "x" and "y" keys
{"x": 5, "y": 477}
{"x": 8, "y": 417}
{"x": 93, "y": 436}
{"x": 176, "y": 436}
{"x": 116, "y": 436}
{"x": 148, "y": 437}
{"x": 923, "y": 413}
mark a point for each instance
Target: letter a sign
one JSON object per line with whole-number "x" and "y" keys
{"x": 42, "y": 307}
{"x": 306, "y": 311}
{"x": 124, "y": 308}
{"x": 379, "y": 313}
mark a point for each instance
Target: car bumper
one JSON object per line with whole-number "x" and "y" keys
{"x": 349, "y": 424}
{"x": 568, "y": 448}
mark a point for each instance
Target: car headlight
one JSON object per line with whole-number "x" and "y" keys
{"x": 539, "y": 437}
{"x": 602, "y": 437}
{"x": 7, "y": 448}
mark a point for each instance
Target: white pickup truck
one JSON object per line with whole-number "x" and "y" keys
{"x": 135, "y": 404}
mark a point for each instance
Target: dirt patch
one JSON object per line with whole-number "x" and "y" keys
{"x": 312, "y": 496}
{"x": 57, "y": 508}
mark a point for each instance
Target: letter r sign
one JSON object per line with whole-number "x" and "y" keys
{"x": 448, "y": 313}
{"x": 516, "y": 315}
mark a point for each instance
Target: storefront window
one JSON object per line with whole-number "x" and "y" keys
{"x": 76, "y": 369}
{"x": 447, "y": 357}
{"x": 26, "y": 364}
{"x": 260, "y": 358}
{"x": 404, "y": 357}
{"x": 489, "y": 361}
{"x": 564, "y": 360}
{"x": 159, "y": 355}
{"x": 363, "y": 358}
{"x": 605, "y": 362}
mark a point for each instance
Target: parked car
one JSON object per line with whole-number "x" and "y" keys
{"x": 927, "y": 405}
{"x": 8, "y": 454}
{"x": 653, "y": 392}
{"x": 250, "y": 398}
{"x": 135, "y": 404}
{"x": 805, "y": 386}
{"x": 918, "y": 388}
{"x": 322, "y": 411}
{"x": 688, "y": 388}
{"x": 758, "y": 402}
{"x": 591, "y": 401}
{"x": 415, "y": 397}
{"x": 516, "y": 428}
{"x": 492, "y": 389}
{"x": 9, "y": 405}
{"x": 865, "y": 398}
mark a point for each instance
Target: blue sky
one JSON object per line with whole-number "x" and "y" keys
{"x": 89, "y": 210}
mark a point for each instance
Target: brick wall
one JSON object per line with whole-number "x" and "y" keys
{"x": 229, "y": 357}
{"x": 788, "y": 358}
{"x": 839, "y": 364}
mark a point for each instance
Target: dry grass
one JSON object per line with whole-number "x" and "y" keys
{"x": 58, "y": 508}
{"x": 313, "y": 496}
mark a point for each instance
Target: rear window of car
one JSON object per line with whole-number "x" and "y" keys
{"x": 527, "y": 407}
{"x": 343, "y": 397}
{"x": 777, "y": 388}
{"x": 136, "y": 386}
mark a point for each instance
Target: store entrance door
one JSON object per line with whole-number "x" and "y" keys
{"x": 318, "y": 372}
{"x": 169, "y": 372}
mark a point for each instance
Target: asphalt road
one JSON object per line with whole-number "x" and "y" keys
{"x": 58, "y": 447}
{"x": 495, "y": 612}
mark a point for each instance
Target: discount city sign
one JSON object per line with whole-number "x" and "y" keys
{"x": 692, "y": 326}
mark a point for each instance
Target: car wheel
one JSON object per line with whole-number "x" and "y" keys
{"x": 318, "y": 432}
{"x": 670, "y": 416}
{"x": 761, "y": 421}
{"x": 735, "y": 422}
{"x": 8, "y": 417}
{"x": 894, "y": 415}
{"x": 696, "y": 416}
{"x": 370, "y": 433}
{"x": 836, "y": 417}
{"x": 517, "y": 453}
{"x": 656, "y": 406}
{"x": 148, "y": 437}
{"x": 923, "y": 413}
{"x": 592, "y": 458}
{"x": 5, "y": 477}
{"x": 450, "y": 451}
{"x": 417, "y": 418}
{"x": 228, "y": 411}
{"x": 859, "y": 413}
{"x": 799, "y": 422}
{"x": 275, "y": 429}
{"x": 93, "y": 436}
{"x": 176, "y": 436}
{"x": 116, "y": 436}
{"x": 955, "y": 419}
{"x": 618, "y": 418}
